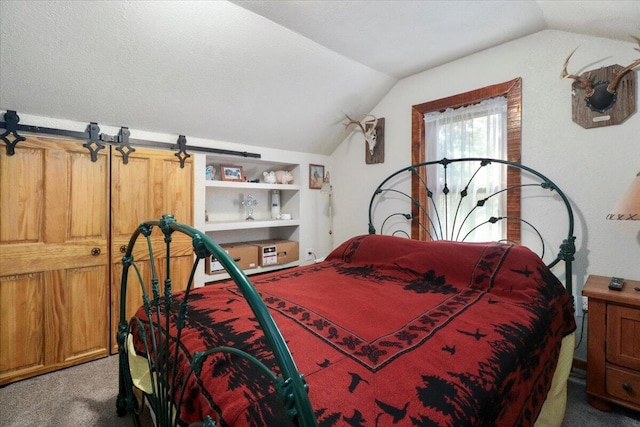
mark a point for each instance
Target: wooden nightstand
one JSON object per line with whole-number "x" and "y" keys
{"x": 613, "y": 347}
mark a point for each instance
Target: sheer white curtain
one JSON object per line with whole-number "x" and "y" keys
{"x": 478, "y": 130}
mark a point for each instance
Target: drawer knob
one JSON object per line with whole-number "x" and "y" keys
{"x": 95, "y": 251}
{"x": 123, "y": 249}
{"x": 627, "y": 387}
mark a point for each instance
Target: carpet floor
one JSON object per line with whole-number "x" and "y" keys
{"x": 85, "y": 395}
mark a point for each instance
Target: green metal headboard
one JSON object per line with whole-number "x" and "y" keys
{"x": 290, "y": 384}
{"x": 401, "y": 217}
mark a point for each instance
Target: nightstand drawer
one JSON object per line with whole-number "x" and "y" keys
{"x": 623, "y": 384}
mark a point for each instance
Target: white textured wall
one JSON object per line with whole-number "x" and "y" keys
{"x": 592, "y": 166}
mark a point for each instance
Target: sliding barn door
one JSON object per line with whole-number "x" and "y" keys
{"x": 54, "y": 263}
{"x": 150, "y": 185}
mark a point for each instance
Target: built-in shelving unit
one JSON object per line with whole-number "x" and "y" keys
{"x": 226, "y": 221}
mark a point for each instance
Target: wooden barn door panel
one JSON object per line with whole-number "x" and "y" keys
{"x": 150, "y": 185}
{"x": 53, "y": 257}
{"x": 22, "y": 320}
{"x": 88, "y": 332}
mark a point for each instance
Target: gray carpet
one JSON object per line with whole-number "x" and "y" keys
{"x": 85, "y": 395}
{"x": 580, "y": 414}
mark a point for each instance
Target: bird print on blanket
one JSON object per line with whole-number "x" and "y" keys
{"x": 355, "y": 380}
{"x": 477, "y": 335}
{"x": 396, "y": 414}
{"x": 449, "y": 349}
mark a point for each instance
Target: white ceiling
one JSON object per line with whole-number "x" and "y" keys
{"x": 278, "y": 74}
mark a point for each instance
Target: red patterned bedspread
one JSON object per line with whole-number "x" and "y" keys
{"x": 390, "y": 331}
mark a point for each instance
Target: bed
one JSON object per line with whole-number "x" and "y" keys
{"x": 387, "y": 330}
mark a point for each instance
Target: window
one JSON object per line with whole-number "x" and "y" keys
{"x": 478, "y": 130}
{"x": 437, "y": 131}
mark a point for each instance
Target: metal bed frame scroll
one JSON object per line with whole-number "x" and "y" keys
{"x": 416, "y": 214}
{"x": 167, "y": 395}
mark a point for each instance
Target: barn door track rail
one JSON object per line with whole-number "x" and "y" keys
{"x": 96, "y": 141}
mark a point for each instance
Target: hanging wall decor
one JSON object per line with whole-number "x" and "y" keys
{"x": 375, "y": 154}
{"x": 373, "y": 131}
{"x": 603, "y": 97}
{"x": 316, "y": 176}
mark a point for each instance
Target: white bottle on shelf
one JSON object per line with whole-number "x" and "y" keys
{"x": 275, "y": 204}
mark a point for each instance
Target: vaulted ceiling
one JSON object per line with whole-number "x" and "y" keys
{"x": 278, "y": 74}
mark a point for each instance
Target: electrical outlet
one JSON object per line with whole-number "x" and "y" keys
{"x": 585, "y": 304}
{"x": 309, "y": 254}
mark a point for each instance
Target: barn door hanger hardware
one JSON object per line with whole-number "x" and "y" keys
{"x": 93, "y": 138}
{"x": 96, "y": 141}
{"x": 123, "y": 144}
{"x": 11, "y": 128}
{"x": 182, "y": 150}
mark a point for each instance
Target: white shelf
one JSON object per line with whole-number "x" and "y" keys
{"x": 250, "y": 271}
{"x": 246, "y": 225}
{"x": 251, "y": 185}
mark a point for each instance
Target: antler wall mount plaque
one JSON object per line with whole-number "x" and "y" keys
{"x": 373, "y": 131}
{"x": 603, "y": 97}
{"x": 592, "y": 111}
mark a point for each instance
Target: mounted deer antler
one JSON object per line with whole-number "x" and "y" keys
{"x": 584, "y": 81}
{"x": 614, "y": 82}
{"x": 602, "y": 95}
{"x": 370, "y": 135}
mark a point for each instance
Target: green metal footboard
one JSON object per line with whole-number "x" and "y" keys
{"x": 448, "y": 221}
{"x": 166, "y": 398}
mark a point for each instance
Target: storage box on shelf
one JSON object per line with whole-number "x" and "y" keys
{"x": 244, "y": 254}
{"x": 276, "y": 252}
{"x": 226, "y": 216}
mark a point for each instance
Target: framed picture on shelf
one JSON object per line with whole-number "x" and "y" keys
{"x": 231, "y": 173}
{"x": 316, "y": 176}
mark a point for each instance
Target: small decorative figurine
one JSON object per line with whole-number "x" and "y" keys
{"x": 248, "y": 204}
{"x": 210, "y": 173}
{"x": 269, "y": 177}
{"x": 284, "y": 177}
